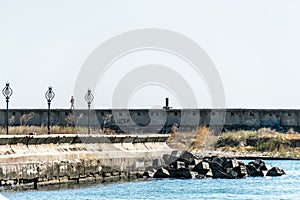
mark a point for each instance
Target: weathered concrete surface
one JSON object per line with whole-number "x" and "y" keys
{"x": 159, "y": 120}
{"x": 38, "y": 160}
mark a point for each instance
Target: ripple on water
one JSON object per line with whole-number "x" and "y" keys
{"x": 284, "y": 187}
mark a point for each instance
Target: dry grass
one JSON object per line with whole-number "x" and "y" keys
{"x": 39, "y": 130}
{"x": 268, "y": 142}
{"x": 263, "y": 140}
{"x": 242, "y": 135}
{"x": 201, "y": 138}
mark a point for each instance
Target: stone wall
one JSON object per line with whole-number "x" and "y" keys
{"x": 158, "y": 120}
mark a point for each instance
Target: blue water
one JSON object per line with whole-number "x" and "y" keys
{"x": 284, "y": 187}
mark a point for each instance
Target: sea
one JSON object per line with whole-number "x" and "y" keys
{"x": 283, "y": 187}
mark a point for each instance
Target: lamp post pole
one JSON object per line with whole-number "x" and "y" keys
{"x": 89, "y": 98}
{"x": 7, "y": 92}
{"x": 48, "y": 125}
{"x": 49, "y": 96}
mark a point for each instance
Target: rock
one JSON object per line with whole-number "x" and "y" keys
{"x": 231, "y": 163}
{"x": 275, "y": 171}
{"x": 209, "y": 174}
{"x": 161, "y": 173}
{"x": 183, "y": 173}
{"x": 241, "y": 163}
{"x": 196, "y": 161}
{"x": 106, "y": 174}
{"x": 200, "y": 176}
{"x": 265, "y": 167}
{"x": 186, "y": 165}
{"x": 152, "y": 168}
{"x": 191, "y": 167}
{"x": 139, "y": 175}
{"x": 253, "y": 171}
{"x": 178, "y": 165}
{"x": 258, "y": 163}
{"x": 217, "y": 164}
{"x": 202, "y": 168}
{"x": 232, "y": 174}
{"x": 187, "y": 157}
{"x": 168, "y": 159}
{"x": 261, "y": 166}
{"x": 241, "y": 171}
{"x": 219, "y": 174}
{"x": 149, "y": 174}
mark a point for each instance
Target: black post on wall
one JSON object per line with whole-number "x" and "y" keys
{"x": 7, "y": 92}
{"x": 49, "y": 96}
{"x": 167, "y": 107}
{"x": 89, "y": 98}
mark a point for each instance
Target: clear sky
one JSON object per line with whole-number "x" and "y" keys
{"x": 254, "y": 45}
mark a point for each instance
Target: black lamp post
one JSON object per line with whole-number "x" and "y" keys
{"x": 49, "y": 96}
{"x": 7, "y": 92}
{"x": 89, "y": 98}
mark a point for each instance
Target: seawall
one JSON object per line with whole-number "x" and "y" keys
{"x": 159, "y": 120}
{"x": 37, "y": 161}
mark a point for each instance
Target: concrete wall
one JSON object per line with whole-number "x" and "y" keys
{"x": 156, "y": 120}
{"x": 41, "y": 160}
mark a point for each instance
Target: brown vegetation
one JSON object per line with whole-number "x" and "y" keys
{"x": 201, "y": 138}
{"x": 39, "y": 130}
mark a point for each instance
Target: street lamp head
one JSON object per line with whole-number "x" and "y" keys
{"x": 49, "y": 94}
{"x": 89, "y": 97}
{"x": 7, "y": 91}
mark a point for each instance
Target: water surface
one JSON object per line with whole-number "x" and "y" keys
{"x": 284, "y": 187}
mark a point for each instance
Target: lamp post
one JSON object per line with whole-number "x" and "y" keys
{"x": 88, "y": 97}
{"x": 7, "y": 92}
{"x": 49, "y": 96}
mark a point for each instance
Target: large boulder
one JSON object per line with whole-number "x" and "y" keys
{"x": 183, "y": 173}
{"x": 231, "y": 163}
{"x": 187, "y": 157}
{"x": 275, "y": 171}
{"x": 258, "y": 163}
{"x": 202, "y": 168}
{"x": 261, "y": 166}
{"x": 170, "y": 158}
{"x": 241, "y": 171}
{"x": 253, "y": 171}
{"x": 232, "y": 174}
{"x": 178, "y": 165}
{"x": 217, "y": 164}
{"x": 219, "y": 174}
{"x": 162, "y": 173}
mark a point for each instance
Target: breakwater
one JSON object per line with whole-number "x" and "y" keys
{"x": 37, "y": 161}
{"x": 159, "y": 120}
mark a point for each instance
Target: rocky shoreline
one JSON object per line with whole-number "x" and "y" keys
{"x": 178, "y": 164}
{"x": 68, "y": 161}
{"x": 187, "y": 165}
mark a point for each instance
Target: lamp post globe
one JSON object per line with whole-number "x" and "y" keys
{"x": 7, "y": 92}
{"x": 89, "y": 97}
{"x": 49, "y": 95}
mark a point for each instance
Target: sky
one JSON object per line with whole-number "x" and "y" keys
{"x": 254, "y": 46}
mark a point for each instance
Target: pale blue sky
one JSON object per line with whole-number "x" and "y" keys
{"x": 254, "y": 45}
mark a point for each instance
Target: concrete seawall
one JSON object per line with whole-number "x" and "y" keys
{"x": 37, "y": 161}
{"x": 157, "y": 120}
